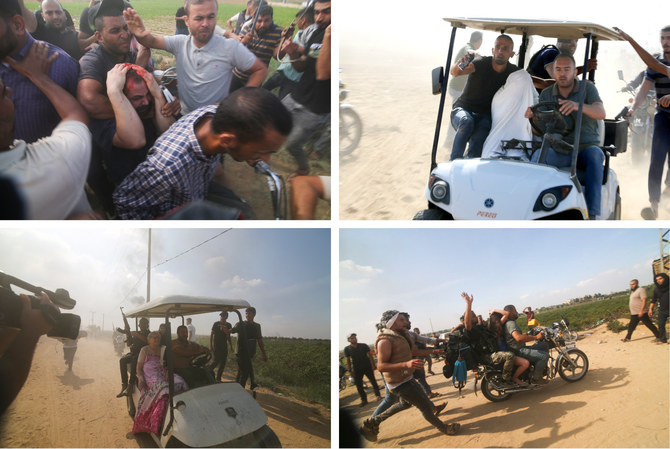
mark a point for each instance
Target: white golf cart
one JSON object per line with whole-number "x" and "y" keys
{"x": 216, "y": 414}
{"x": 512, "y": 188}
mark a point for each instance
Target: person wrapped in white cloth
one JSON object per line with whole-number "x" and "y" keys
{"x": 507, "y": 115}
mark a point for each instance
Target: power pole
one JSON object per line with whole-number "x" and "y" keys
{"x": 149, "y": 267}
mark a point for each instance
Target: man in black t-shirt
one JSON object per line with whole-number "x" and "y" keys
{"x": 217, "y": 343}
{"x": 471, "y": 113}
{"x": 363, "y": 365}
{"x": 52, "y": 27}
{"x": 309, "y": 103}
{"x": 253, "y": 336}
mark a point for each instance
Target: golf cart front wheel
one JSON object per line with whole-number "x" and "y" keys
{"x": 430, "y": 214}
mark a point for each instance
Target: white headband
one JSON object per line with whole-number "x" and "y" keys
{"x": 390, "y": 322}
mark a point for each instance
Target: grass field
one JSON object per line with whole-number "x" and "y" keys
{"x": 295, "y": 367}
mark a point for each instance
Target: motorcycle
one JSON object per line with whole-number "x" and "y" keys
{"x": 641, "y": 122}
{"x": 566, "y": 332}
{"x": 570, "y": 363}
{"x": 351, "y": 125}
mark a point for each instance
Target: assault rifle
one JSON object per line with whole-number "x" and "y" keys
{"x": 126, "y": 329}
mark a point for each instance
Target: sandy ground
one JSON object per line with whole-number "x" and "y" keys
{"x": 621, "y": 402}
{"x": 79, "y": 409}
{"x": 385, "y": 177}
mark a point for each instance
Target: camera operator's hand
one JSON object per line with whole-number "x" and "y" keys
{"x": 33, "y": 320}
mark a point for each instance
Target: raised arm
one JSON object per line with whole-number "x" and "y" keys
{"x": 144, "y": 36}
{"x": 35, "y": 67}
{"x": 648, "y": 59}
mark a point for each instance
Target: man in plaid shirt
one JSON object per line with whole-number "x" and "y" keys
{"x": 249, "y": 125}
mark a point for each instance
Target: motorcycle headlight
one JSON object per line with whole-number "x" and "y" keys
{"x": 439, "y": 190}
{"x": 550, "y": 198}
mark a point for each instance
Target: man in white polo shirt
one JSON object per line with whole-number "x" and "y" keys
{"x": 205, "y": 60}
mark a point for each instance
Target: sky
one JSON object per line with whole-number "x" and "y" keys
{"x": 423, "y": 271}
{"x": 284, "y": 273}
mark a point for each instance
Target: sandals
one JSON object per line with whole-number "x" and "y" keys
{"x": 438, "y": 408}
{"x": 625, "y": 340}
{"x": 452, "y": 428}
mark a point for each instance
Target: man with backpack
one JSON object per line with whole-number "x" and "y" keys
{"x": 541, "y": 64}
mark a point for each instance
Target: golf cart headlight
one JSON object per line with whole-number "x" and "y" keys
{"x": 439, "y": 191}
{"x": 549, "y": 199}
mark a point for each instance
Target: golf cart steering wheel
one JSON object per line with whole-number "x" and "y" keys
{"x": 548, "y": 118}
{"x": 201, "y": 360}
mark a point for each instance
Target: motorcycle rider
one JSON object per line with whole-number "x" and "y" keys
{"x": 516, "y": 342}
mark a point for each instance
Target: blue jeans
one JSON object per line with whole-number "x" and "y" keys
{"x": 591, "y": 160}
{"x": 660, "y": 146}
{"x": 411, "y": 393}
{"x": 469, "y": 126}
{"x": 389, "y": 400}
{"x": 539, "y": 358}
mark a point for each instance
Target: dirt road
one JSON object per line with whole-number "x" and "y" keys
{"x": 57, "y": 408}
{"x": 622, "y": 402}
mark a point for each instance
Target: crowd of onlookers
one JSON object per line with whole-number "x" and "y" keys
{"x": 86, "y": 122}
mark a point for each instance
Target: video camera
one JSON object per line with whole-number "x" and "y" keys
{"x": 65, "y": 325}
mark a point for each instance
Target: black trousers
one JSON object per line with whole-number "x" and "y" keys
{"x": 635, "y": 319}
{"x": 220, "y": 358}
{"x": 245, "y": 371}
{"x": 358, "y": 381}
{"x": 126, "y": 359}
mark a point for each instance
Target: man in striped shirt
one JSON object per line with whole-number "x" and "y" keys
{"x": 262, "y": 42}
{"x": 249, "y": 125}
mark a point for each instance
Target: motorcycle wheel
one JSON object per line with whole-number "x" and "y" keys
{"x": 490, "y": 392}
{"x": 351, "y": 130}
{"x": 570, "y": 374}
{"x": 573, "y": 335}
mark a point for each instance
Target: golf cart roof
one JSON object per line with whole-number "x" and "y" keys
{"x": 562, "y": 29}
{"x": 178, "y": 305}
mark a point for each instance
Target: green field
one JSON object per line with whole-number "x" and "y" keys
{"x": 295, "y": 367}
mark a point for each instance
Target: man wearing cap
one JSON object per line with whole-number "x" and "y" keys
{"x": 35, "y": 116}
{"x": 217, "y": 343}
{"x": 205, "y": 60}
{"x": 363, "y": 365}
{"x": 395, "y": 362}
{"x": 138, "y": 339}
{"x": 112, "y": 34}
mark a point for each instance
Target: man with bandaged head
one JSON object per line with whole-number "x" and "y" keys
{"x": 396, "y": 363}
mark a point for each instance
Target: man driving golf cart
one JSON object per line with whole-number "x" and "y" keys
{"x": 184, "y": 351}
{"x": 590, "y": 158}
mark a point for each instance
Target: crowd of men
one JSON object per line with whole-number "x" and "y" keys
{"x": 82, "y": 112}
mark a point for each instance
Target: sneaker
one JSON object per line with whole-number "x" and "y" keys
{"x": 651, "y": 212}
{"x": 363, "y": 403}
{"x": 433, "y": 395}
{"x": 369, "y": 430}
